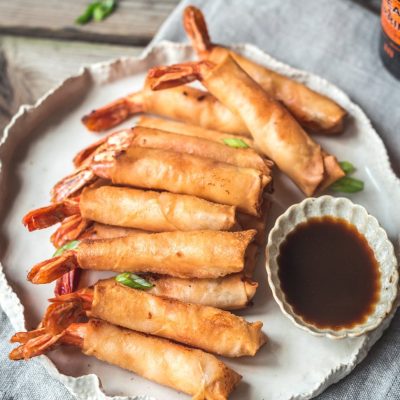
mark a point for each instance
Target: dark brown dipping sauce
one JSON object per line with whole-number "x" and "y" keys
{"x": 329, "y": 273}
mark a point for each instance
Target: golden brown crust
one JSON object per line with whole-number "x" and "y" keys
{"x": 198, "y": 254}
{"x": 274, "y": 130}
{"x": 189, "y": 130}
{"x": 192, "y": 106}
{"x": 188, "y": 370}
{"x": 101, "y": 231}
{"x": 313, "y": 110}
{"x": 231, "y": 292}
{"x": 247, "y": 221}
{"x": 187, "y": 174}
{"x": 204, "y": 327}
{"x": 154, "y": 211}
{"x": 158, "y": 139}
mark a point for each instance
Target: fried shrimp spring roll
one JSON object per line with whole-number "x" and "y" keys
{"x": 75, "y": 227}
{"x": 241, "y": 157}
{"x": 198, "y": 254}
{"x": 154, "y": 211}
{"x": 222, "y": 332}
{"x": 118, "y": 159}
{"x": 190, "y": 130}
{"x": 133, "y": 208}
{"x": 186, "y": 174}
{"x": 231, "y": 292}
{"x": 188, "y": 370}
{"x": 140, "y": 136}
{"x": 185, "y": 104}
{"x": 313, "y": 110}
{"x": 100, "y": 231}
{"x": 274, "y": 129}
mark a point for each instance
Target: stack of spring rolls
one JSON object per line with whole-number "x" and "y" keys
{"x": 178, "y": 209}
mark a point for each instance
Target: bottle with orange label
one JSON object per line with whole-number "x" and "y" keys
{"x": 390, "y": 36}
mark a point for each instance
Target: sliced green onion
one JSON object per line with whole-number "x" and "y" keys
{"x": 347, "y": 185}
{"x": 103, "y": 10}
{"x": 236, "y": 143}
{"x": 133, "y": 281}
{"x": 347, "y": 167}
{"x": 87, "y": 15}
{"x": 67, "y": 246}
{"x": 97, "y": 10}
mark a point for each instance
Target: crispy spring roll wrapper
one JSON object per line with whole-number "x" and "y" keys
{"x": 195, "y": 287}
{"x": 231, "y": 292}
{"x": 186, "y": 174}
{"x": 273, "y": 128}
{"x": 222, "y": 332}
{"x": 186, "y": 142}
{"x": 258, "y": 223}
{"x": 101, "y": 231}
{"x": 186, "y": 104}
{"x": 189, "y": 130}
{"x": 313, "y": 110}
{"x": 192, "y": 106}
{"x": 191, "y": 371}
{"x": 244, "y": 222}
{"x": 158, "y": 139}
{"x": 199, "y": 254}
{"x": 154, "y": 211}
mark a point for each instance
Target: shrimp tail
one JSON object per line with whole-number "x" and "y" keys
{"x": 103, "y": 164}
{"x": 113, "y": 142}
{"x": 84, "y": 156}
{"x": 71, "y": 229}
{"x": 196, "y": 28}
{"x": 56, "y": 321}
{"x": 72, "y": 184}
{"x": 114, "y": 113}
{"x": 164, "y": 77}
{"x": 104, "y": 151}
{"x": 68, "y": 282}
{"x": 46, "y": 216}
{"x": 53, "y": 268}
{"x": 24, "y": 337}
{"x": 82, "y": 296}
{"x": 75, "y": 334}
{"x": 34, "y": 347}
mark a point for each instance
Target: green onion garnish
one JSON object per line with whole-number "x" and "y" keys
{"x": 347, "y": 167}
{"x": 97, "y": 10}
{"x": 347, "y": 184}
{"x": 133, "y": 281}
{"x": 67, "y": 246}
{"x": 236, "y": 143}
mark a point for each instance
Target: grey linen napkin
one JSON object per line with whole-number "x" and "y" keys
{"x": 337, "y": 40}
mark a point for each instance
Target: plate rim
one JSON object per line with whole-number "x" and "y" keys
{"x": 87, "y": 386}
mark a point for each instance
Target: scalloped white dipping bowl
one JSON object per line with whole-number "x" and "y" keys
{"x": 377, "y": 239}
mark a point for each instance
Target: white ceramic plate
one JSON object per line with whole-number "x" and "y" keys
{"x": 37, "y": 150}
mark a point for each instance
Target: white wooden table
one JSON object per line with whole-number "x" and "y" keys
{"x": 41, "y": 45}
